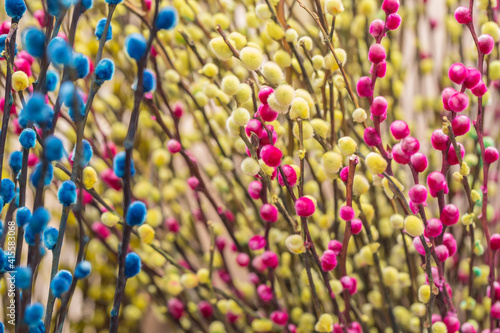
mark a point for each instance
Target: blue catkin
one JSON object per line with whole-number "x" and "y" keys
{"x": 59, "y": 285}
{"x": 27, "y": 138}
{"x": 65, "y": 275}
{"x": 9, "y": 264}
{"x": 67, "y": 93}
{"x": 78, "y": 106}
{"x": 104, "y": 70}
{"x": 3, "y": 37}
{"x": 68, "y": 3}
{"x": 34, "y": 41}
{"x": 81, "y": 65}
{"x": 39, "y": 220}
{"x": 87, "y": 4}
{"x": 23, "y": 119}
{"x": 23, "y": 277}
{"x": 132, "y": 265}
{"x": 135, "y": 45}
{"x": 16, "y": 162}
{"x": 53, "y": 7}
{"x": 23, "y": 215}
{"x": 3, "y": 258}
{"x": 34, "y": 108}
{"x": 47, "y": 116}
{"x": 2, "y": 45}
{"x": 83, "y": 269}
{"x": 33, "y": 314}
{"x": 113, "y": 2}
{"x": 50, "y": 237}
{"x": 5, "y": 265}
{"x": 119, "y": 165}
{"x": 2, "y": 328}
{"x": 149, "y": 81}
{"x": 29, "y": 235}
{"x": 4, "y": 262}
{"x": 1, "y": 230}
{"x": 7, "y": 190}
{"x": 15, "y": 9}
{"x": 37, "y": 111}
{"x": 136, "y": 213}
{"x": 1, "y": 204}
{"x": 167, "y": 18}
{"x": 87, "y": 153}
{"x": 38, "y": 327}
{"x": 67, "y": 193}
{"x": 53, "y": 149}
{"x": 99, "y": 29}
{"x": 52, "y": 80}
{"x": 58, "y": 51}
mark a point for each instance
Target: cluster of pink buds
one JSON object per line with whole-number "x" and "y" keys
{"x": 468, "y": 78}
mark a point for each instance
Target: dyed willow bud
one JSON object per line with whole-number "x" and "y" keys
{"x": 328, "y": 260}
{"x": 284, "y": 95}
{"x": 104, "y": 70}
{"x": 376, "y": 163}
{"x": 324, "y": 324}
{"x": 439, "y": 327}
{"x": 251, "y": 58}
{"x": 376, "y": 53}
{"x": 132, "y": 265}
{"x": 434, "y": 227}
{"x": 250, "y": 166}
{"x": 33, "y": 313}
{"x": 457, "y": 73}
{"x": 359, "y": 115}
{"x": 275, "y": 107}
{"x": 262, "y": 11}
{"x": 364, "y": 87}
{"x": 146, "y": 233}
{"x": 272, "y": 72}
{"x": 241, "y": 116}
{"x": 347, "y": 145}
{"x": 463, "y": 15}
{"x": 495, "y": 242}
{"x": 136, "y": 213}
{"x": 295, "y": 244}
{"x": 414, "y": 226}
{"x": 20, "y": 81}
{"x": 424, "y": 293}
{"x": 485, "y": 43}
{"x": 83, "y": 269}
{"x": 299, "y": 109}
{"x": 458, "y": 102}
{"x": 346, "y": 213}
{"x": 220, "y": 49}
{"x": 399, "y": 129}
{"x": 271, "y": 155}
{"x": 334, "y": 7}
{"x": 304, "y": 207}
{"x": 167, "y": 18}
{"x": 109, "y": 219}
{"x": 331, "y": 162}
{"x": 229, "y": 85}
{"x": 449, "y": 215}
{"x": 490, "y": 155}
{"x": 67, "y": 193}
{"x": 89, "y": 177}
